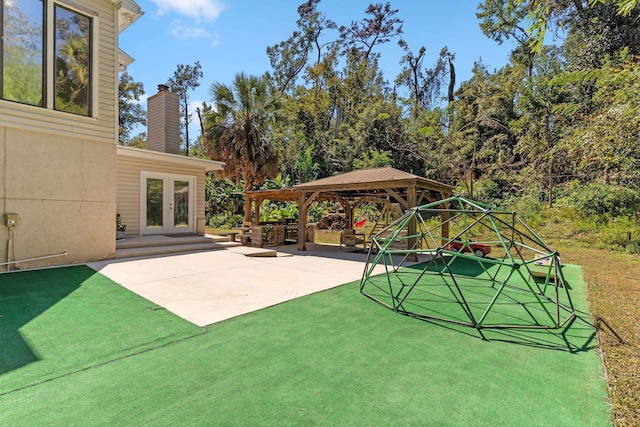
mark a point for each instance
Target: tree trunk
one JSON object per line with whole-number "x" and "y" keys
{"x": 200, "y": 120}
{"x": 550, "y": 183}
{"x": 338, "y": 121}
{"x": 452, "y": 80}
{"x": 470, "y": 182}
{"x": 186, "y": 125}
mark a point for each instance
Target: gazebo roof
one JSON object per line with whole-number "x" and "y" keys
{"x": 353, "y": 188}
{"x": 368, "y": 180}
{"x": 362, "y": 182}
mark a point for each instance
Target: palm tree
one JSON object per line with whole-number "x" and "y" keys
{"x": 237, "y": 130}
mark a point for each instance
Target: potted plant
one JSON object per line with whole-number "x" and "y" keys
{"x": 120, "y": 228}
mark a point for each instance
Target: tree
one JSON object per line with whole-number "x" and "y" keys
{"x": 424, "y": 84}
{"x": 608, "y": 144}
{"x": 325, "y": 103}
{"x": 479, "y": 140}
{"x": 543, "y": 13}
{"x": 131, "y": 112}
{"x": 540, "y": 128}
{"x": 379, "y": 29}
{"x": 506, "y": 19}
{"x": 598, "y": 33}
{"x": 503, "y": 19}
{"x": 139, "y": 141}
{"x": 625, "y": 7}
{"x": 238, "y": 129}
{"x": 185, "y": 78}
{"x": 289, "y": 57}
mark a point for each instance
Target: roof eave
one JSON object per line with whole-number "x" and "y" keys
{"x": 139, "y": 153}
{"x": 417, "y": 182}
{"x": 128, "y": 13}
{"x": 124, "y": 60}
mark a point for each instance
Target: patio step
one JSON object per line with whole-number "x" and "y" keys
{"x": 162, "y": 245}
{"x": 162, "y": 240}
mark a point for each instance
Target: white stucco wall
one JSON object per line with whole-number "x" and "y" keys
{"x": 57, "y": 170}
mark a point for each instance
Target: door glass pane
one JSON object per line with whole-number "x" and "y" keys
{"x": 181, "y": 203}
{"x": 72, "y": 61}
{"x": 155, "y": 203}
{"x": 22, "y": 53}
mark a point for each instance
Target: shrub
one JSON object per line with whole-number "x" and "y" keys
{"x": 529, "y": 205}
{"x": 620, "y": 233}
{"x": 487, "y": 191}
{"x": 225, "y": 221}
{"x": 601, "y": 199}
{"x": 273, "y": 211}
{"x": 492, "y": 191}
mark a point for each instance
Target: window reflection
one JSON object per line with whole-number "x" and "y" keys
{"x": 22, "y": 53}
{"x": 155, "y": 203}
{"x": 181, "y": 203}
{"x": 72, "y": 72}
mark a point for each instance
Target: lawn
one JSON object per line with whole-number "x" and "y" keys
{"x": 59, "y": 321}
{"x": 613, "y": 281}
{"x": 332, "y": 358}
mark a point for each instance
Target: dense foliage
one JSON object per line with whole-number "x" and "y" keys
{"x": 557, "y": 124}
{"x": 550, "y": 116}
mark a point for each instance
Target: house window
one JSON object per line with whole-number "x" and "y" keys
{"x": 23, "y": 51}
{"x": 72, "y": 61}
{"x": 31, "y": 63}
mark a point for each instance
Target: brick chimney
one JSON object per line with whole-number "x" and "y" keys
{"x": 163, "y": 121}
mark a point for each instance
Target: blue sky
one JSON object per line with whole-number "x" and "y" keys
{"x": 230, "y": 36}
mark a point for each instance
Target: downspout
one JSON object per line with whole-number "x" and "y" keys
{"x": 4, "y": 192}
{"x": 9, "y": 250}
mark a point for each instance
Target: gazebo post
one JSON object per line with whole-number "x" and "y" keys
{"x": 302, "y": 220}
{"x": 258, "y": 201}
{"x": 350, "y": 214}
{"x": 248, "y": 198}
{"x": 444, "y": 218}
{"x": 412, "y": 199}
{"x": 303, "y": 207}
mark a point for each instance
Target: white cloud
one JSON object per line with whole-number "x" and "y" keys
{"x": 184, "y": 32}
{"x": 201, "y": 10}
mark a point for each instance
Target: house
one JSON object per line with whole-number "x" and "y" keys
{"x": 160, "y": 191}
{"x": 58, "y": 134}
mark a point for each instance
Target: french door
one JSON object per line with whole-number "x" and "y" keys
{"x": 167, "y": 203}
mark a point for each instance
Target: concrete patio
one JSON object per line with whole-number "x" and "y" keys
{"x": 210, "y": 286}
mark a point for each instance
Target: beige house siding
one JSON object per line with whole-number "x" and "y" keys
{"x": 129, "y": 197}
{"x": 57, "y": 170}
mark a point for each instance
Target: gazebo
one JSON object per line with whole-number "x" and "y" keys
{"x": 351, "y": 189}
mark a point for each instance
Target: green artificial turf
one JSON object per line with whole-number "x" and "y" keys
{"x": 333, "y": 358}
{"x": 471, "y": 290}
{"x": 57, "y": 321}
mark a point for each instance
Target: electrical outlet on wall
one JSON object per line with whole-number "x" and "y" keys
{"x": 11, "y": 220}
